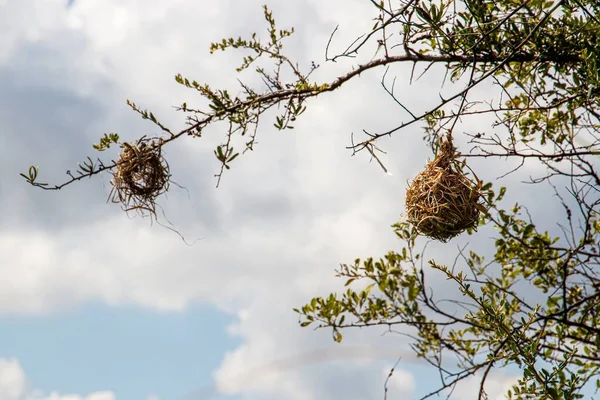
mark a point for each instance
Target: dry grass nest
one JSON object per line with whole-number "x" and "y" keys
{"x": 141, "y": 175}
{"x": 441, "y": 202}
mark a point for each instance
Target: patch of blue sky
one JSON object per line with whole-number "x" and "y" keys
{"x": 131, "y": 351}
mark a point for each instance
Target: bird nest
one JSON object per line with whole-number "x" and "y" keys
{"x": 141, "y": 175}
{"x": 441, "y": 202}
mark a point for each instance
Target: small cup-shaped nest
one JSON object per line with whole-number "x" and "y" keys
{"x": 141, "y": 175}
{"x": 441, "y": 202}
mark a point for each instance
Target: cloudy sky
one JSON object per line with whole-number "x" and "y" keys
{"x": 98, "y": 306}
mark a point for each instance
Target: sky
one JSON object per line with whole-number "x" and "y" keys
{"x": 97, "y": 305}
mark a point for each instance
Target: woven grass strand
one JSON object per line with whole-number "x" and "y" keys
{"x": 142, "y": 174}
{"x": 441, "y": 202}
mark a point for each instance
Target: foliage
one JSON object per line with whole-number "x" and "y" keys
{"x": 543, "y": 58}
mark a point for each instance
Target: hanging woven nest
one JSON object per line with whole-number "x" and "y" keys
{"x": 141, "y": 175}
{"x": 441, "y": 202}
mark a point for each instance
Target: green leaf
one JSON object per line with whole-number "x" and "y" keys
{"x": 365, "y": 292}
{"x": 233, "y": 157}
{"x": 529, "y": 229}
{"x": 413, "y": 291}
{"x": 337, "y": 336}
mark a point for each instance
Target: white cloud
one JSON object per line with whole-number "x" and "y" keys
{"x": 401, "y": 384}
{"x": 12, "y": 380}
{"x": 496, "y": 387}
{"x": 14, "y": 386}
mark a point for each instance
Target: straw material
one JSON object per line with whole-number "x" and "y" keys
{"x": 141, "y": 175}
{"x": 441, "y": 202}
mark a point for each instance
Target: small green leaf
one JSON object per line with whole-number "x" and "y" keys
{"x": 233, "y": 157}
{"x": 337, "y": 336}
{"x": 365, "y": 292}
{"x": 528, "y": 231}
